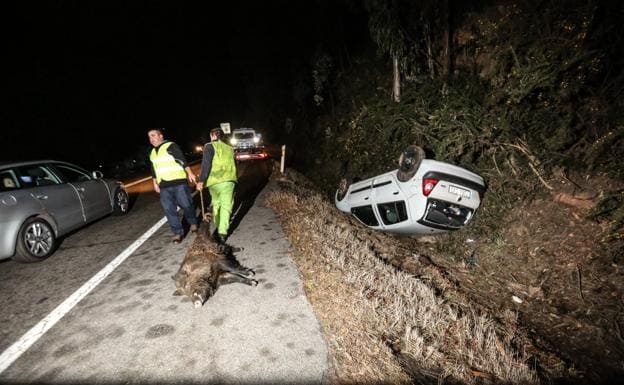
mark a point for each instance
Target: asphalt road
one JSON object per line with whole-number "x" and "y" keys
{"x": 130, "y": 328}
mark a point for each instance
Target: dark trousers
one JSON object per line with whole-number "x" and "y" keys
{"x": 170, "y": 198}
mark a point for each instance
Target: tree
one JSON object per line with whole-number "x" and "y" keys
{"x": 386, "y": 31}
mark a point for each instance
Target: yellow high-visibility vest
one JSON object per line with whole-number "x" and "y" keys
{"x": 223, "y": 165}
{"x": 165, "y": 166}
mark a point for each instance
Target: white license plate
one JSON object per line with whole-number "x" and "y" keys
{"x": 459, "y": 191}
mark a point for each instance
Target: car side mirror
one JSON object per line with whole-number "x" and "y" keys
{"x": 97, "y": 174}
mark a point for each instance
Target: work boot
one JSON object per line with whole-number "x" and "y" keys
{"x": 193, "y": 228}
{"x": 176, "y": 239}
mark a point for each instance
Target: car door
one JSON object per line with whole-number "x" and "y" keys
{"x": 359, "y": 199}
{"x": 60, "y": 200}
{"x": 390, "y": 202}
{"x": 93, "y": 193}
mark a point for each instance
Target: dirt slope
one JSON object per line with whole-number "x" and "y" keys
{"x": 551, "y": 278}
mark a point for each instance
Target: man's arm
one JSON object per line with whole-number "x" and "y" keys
{"x": 156, "y": 186}
{"x": 175, "y": 151}
{"x": 206, "y": 165}
{"x": 190, "y": 175}
{"x": 153, "y": 172}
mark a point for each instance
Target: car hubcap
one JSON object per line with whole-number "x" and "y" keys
{"x": 122, "y": 201}
{"x": 38, "y": 239}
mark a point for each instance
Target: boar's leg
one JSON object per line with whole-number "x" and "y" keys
{"x": 229, "y": 266}
{"x": 229, "y": 278}
{"x": 180, "y": 279}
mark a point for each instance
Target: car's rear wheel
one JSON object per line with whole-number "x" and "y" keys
{"x": 409, "y": 161}
{"x": 121, "y": 202}
{"x": 35, "y": 241}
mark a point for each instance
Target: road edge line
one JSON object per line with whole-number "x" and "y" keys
{"x": 13, "y": 352}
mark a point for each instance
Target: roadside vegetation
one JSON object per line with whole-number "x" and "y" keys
{"x": 385, "y": 324}
{"x": 529, "y": 95}
{"x": 528, "y": 91}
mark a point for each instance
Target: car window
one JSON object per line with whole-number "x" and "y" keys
{"x": 70, "y": 175}
{"x": 35, "y": 176}
{"x": 365, "y": 214}
{"x": 392, "y": 212}
{"x": 8, "y": 181}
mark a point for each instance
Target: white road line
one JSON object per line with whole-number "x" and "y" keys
{"x": 27, "y": 340}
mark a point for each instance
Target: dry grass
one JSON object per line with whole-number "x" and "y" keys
{"x": 382, "y": 324}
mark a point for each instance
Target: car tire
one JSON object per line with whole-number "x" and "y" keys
{"x": 121, "y": 202}
{"x": 409, "y": 161}
{"x": 35, "y": 241}
{"x": 343, "y": 187}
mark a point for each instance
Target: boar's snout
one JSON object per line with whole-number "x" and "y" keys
{"x": 198, "y": 300}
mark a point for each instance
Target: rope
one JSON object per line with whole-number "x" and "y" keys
{"x": 206, "y": 216}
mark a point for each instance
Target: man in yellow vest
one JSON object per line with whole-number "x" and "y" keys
{"x": 218, "y": 173}
{"x": 171, "y": 175}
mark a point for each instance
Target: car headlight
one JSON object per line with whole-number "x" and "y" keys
{"x": 256, "y": 139}
{"x": 233, "y": 141}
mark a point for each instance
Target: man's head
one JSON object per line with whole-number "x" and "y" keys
{"x": 216, "y": 134}
{"x": 155, "y": 136}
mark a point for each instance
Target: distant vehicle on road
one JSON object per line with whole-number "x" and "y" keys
{"x": 245, "y": 138}
{"x": 41, "y": 201}
{"x": 423, "y": 196}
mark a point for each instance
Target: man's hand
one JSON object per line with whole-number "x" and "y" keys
{"x": 190, "y": 175}
{"x": 156, "y": 187}
{"x": 199, "y": 186}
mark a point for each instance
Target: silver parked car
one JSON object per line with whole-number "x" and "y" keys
{"x": 41, "y": 201}
{"x": 423, "y": 196}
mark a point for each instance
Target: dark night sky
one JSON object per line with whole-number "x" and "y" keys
{"x": 88, "y": 78}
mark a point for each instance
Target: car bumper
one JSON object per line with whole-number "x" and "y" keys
{"x": 251, "y": 155}
{"x": 445, "y": 216}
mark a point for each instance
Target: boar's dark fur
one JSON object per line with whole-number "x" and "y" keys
{"x": 207, "y": 265}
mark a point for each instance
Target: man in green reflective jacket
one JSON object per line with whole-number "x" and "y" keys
{"x": 218, "y": 173}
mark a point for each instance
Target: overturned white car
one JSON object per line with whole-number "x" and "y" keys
{"x": 423, "y": 196}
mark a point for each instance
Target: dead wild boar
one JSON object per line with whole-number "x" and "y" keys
{"x": 207, "y": 265}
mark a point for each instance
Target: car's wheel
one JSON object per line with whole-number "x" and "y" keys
{"x": 121, "y": 202}
{"x": 343, "y": 187}
{"x": 409, "y": 161}
{"x": 35, "y": 241}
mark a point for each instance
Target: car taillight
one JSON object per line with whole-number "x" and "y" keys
{"x": 428, "y": 185}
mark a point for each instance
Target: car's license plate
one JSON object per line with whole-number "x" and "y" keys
{"x": 459, "y": 191}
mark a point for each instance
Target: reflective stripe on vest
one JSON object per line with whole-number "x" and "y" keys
{"x": 223, "y": 167}
{"x": 165, "y": 166}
